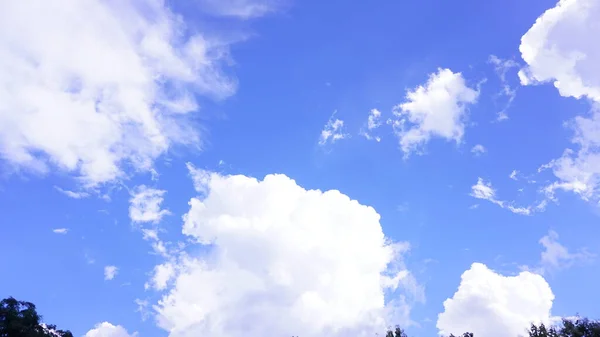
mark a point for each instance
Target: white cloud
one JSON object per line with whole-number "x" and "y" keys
{"x": 478, "y": 150}
{"x": 561, "y": 47}
{"x": 60, "y": 230}
{"x": 492, "y": 305}
{"x": 280, "y": 260}
{"x": 373, "y": 122}
{"x": 150, "y": 234}
{"x": 163, "y": 274}
{"x": 73, "y": 194}
{"x": 525, "y": 210}
{"x": 579, "y": 171}
{"x": 436, "y": 109}
{"x": 159, "y": 247}
{"x": 113, "y": 83}
{"x": 244, "y": 9}
{"x": 501, "y": 67}
{"x": 333, "y": 131}
{"x": 513, "y": 175}
{"x": 106, "y": 329}
{"x": 484, "y": 190}
{"x": 200, "y": 178}
{"x": 556, "y": 256}
{"x": 110, "y": 272}
{"x": 142, "y": 308}
{"x": 145, "y": 205}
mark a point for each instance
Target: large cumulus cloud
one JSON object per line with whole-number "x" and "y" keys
{"x": 492, "y": 305}
{"x": 279, "y": 260}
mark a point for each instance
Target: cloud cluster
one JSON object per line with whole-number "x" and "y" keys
{"x": 373, "y": 122}
{"x": 561, "y": 48}
{"x": 478, "y": 150}
{"x": 437, "y": 108}
{"x": 332, "y": 131}
{"x": 110, "y": 272}
{"x": 145, "y": 210}
{"x": 483, "y": 190}
{"x": 145, "y": 205}
{"x": 579, "y": 171}
{"x": 492, "y": 305}
{"x": 280, "y": 260}
{"x": 501, "y": 67}
{"x": 92, "y": 87}
{"x": 556, "y": 256}
{"x": 162, "y": 275}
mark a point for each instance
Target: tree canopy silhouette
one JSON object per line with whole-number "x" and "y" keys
{"x": 580, "y": 327}
{"x": 20, "y": 319}
{"x": 396, "y": 333}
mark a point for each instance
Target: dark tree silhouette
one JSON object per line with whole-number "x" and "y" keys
{"x": 396, "y": 333}
{"x": 20, "y": 319}
{"x": 581, "y": 327}
{"x": 542, "y": 331}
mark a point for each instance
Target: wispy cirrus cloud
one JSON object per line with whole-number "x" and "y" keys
{"x": 483, "y": 190}
{"x": 73, "y": 194}
{"x": 243, "y": 9}
{"x": 333, "y": 131}
{"x": 556, "y": 256}
{"x": 501, "y": 68}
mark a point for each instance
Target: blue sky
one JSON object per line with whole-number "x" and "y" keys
{"x": 130, "y": 135}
